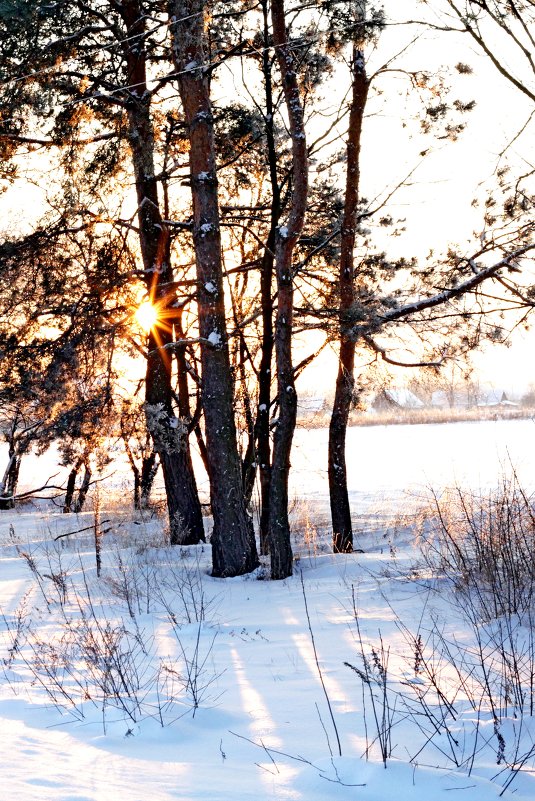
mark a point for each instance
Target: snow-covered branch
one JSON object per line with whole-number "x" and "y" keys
{"x": 463, "y": 288}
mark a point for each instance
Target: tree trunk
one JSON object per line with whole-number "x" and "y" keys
{"x": 338, "y": 494}
{"x": 233, "y": 542}
{"x": 249, "y": 458}
{"x": 339, "y": 499}
{"x": 84, "y": 488}
{"x": 266, "y": 279}
{"x": 286, "y": 240}
{"x": 149, "y": 468}
{"x": 8, "y": 486}
{"x": 71, "y": 484}
{"x": 263, "y": 447}
{"x": 170, "y": 436}
{"x": 137, "y": 487}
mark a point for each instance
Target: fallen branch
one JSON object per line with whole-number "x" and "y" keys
{"x": 79, "y": 530}
{"x": 264, "y": 747}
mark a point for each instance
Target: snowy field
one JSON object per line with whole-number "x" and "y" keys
{"x": 156, "y": 681}
{"x": 394, "y": 469}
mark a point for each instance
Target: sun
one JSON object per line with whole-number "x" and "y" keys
{"x": 146, "y": 315}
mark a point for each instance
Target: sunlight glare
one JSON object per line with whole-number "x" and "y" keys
{"x": 146, "y": 315}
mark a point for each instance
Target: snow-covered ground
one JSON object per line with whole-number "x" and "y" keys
{"x": 385, "y": 463}
{"x": 158, "y": 681}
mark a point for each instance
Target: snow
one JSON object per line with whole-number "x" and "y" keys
{"x": 392, "y": 466}
{"x": 214, "y": 338}
{"x": 262, "y": 729}
{"x": 210, "y": 287}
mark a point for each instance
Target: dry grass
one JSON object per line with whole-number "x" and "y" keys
{"x": 484, "y": 545}
{"x": 420, "y": 416}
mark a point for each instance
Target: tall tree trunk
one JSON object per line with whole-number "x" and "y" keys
{"x": 233, "y": 542}
{"x": 169, "y": 434}
{"x": 286, "y": 240}
{"x": 263, "y": 447}
{"x": 266, "y": 279}
{"x": 339, "y": 499}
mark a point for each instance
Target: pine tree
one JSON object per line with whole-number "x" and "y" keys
{"x": 233, "y": 541}
{"x": 80, "y": 70}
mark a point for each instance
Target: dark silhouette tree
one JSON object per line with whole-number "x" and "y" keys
{"x": 233, "y": 541}
{"x": 286, "y": 239}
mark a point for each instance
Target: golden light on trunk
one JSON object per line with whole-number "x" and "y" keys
{"x": 146, "y": 315}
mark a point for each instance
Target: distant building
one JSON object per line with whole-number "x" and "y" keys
{"x": 400, "y": 399}
{"x": 496, "y": 397}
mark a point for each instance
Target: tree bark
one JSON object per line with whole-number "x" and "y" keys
{"x": 170, "y": 435}
{"x": 149, "y": 468}
{"x": 233, "y": 542}
{"x": 266, "y": 279}
{"x": 262, "y": 439}
{"x": 249, "y": 458}
{"x": 285, "y": 242}
{"x": 84, "y": 488}
{"x": 137, "y": 486}
{"x": 8, "y": 486}
{"x": 338, "y": 494}
{"x": 71, "y": 484}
